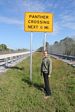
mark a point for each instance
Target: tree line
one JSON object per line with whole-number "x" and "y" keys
{"x": 65, "y": 46}
{"x": 4, "y": 49}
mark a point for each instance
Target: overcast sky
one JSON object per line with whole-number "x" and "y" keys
{"x": 12, "y": 21}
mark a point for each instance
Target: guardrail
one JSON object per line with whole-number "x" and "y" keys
{"x": 65, "y": 57}
{"x": 68, "y": 59}
{"x": 6, "y": 59}
{"x": 4, "y": 56}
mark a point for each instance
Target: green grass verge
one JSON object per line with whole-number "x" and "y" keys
{"x": 17, "y": 94}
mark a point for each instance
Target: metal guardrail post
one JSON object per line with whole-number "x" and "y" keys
{"x": 6, "y": 62}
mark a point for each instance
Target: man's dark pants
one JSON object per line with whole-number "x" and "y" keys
{"x": 46, "y": 81}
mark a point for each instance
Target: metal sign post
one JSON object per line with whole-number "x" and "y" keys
{"x": 31, "y": 57}
{"x": 45, "y": 41}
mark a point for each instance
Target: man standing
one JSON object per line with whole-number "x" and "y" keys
{"x": 46, "y": 69}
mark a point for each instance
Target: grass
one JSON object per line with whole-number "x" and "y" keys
{"x": 18, "y": 94}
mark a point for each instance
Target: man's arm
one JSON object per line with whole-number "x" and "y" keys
{"x": 50, "y": 67}
{"x": 41, "y": 68}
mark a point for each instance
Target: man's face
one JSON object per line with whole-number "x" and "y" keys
{"x": 45, "y": 54}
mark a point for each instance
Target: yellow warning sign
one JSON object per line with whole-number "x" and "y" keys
{"x": 38, "y": 22}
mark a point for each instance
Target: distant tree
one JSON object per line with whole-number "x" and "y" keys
{"x": 73, "y": 49}
{"x": 56, "y": 42}
{"x": 3, "y": 47}
{"x": 40, "y": 49}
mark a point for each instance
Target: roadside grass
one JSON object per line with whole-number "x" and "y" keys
{"x": 18, "y": 94}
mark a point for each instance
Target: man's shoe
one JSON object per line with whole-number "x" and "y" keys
{"x": 46, "y": 97}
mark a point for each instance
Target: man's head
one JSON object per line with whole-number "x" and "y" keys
{"x": 45, "y": 53}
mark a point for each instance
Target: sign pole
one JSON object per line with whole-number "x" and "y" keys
{"x": 45, "y": 41}
{"x": 31, "y": 57}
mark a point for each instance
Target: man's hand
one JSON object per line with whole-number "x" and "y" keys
{"x": 49, "y": 75}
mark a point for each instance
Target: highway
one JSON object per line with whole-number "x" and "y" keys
{"x": 9, "y": 60}
{"x": 65, "y": 58}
